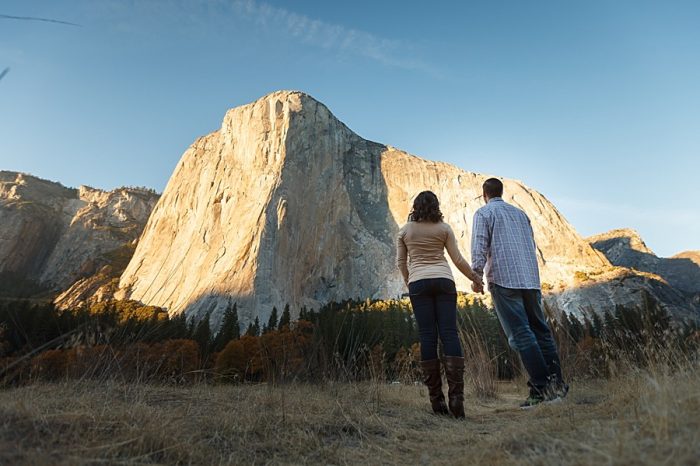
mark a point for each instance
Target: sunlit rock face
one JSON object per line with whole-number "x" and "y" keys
{"x": 285, "y": 204}
{"x": 52, "y": 236}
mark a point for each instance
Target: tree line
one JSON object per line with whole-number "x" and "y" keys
{"x": 350, "y": 340}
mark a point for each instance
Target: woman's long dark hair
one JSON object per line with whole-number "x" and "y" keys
{"x": 426, "y": 208}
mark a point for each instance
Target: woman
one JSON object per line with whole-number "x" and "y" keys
{"x": 434, "y": 297}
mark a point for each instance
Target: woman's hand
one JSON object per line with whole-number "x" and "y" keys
{"x": 477, "y": 284}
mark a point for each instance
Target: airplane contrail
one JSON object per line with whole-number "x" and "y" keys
{"x": 4, "y": 72}
{"x": 34, "y": 18}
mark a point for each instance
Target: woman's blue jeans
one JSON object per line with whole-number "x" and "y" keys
{"x": 434, "y": 302}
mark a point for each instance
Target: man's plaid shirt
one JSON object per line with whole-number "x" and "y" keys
{"x": 503, "y": 245}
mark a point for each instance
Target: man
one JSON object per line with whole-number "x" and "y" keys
{"x": 504, "y": 246}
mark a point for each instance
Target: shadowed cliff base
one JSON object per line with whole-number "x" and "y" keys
{"x": 212, "y": 306}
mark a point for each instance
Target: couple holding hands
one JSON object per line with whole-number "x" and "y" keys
{"x": 503, "y": 246}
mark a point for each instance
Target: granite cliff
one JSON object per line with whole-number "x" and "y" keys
{"x": 285, "y": 204}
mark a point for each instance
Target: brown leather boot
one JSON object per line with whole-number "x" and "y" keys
{"x": 433, "y": 380}
{"x": 454, "y": 370}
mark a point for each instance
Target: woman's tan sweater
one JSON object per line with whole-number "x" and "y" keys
{"x": 424, "y": 244}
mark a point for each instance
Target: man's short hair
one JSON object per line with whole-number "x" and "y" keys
{"x": 493, "y": 187}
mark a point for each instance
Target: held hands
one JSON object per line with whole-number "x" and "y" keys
{"x": 477, "y": 284}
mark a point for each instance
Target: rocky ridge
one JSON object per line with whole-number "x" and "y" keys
{"x": 53, "y": 236}
{"x": 625, "y": 248}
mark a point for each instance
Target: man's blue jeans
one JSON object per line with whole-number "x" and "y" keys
{"x": 434, "y": 302}
{"x": 522, "y": 318}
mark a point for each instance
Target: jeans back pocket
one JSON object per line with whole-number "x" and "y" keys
{"x": 418, "y": 287}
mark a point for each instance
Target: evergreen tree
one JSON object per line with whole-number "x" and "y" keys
{"x": 253, "y": 328}
{"x": 191, "y": 328}
{"x": 286, "y": 318}
{"x": 272, "y": 321}
{"x": 249, "y": 330}
{"x": 177, "y": 327}
{"x": 229, "y": 329}
{"x": 202, "y": 335}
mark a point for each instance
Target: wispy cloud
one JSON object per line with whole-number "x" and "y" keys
{"x": 196, "y": 16}
{"x": 330, "y": 36}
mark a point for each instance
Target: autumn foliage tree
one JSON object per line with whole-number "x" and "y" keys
{"x": 274, "y": 356}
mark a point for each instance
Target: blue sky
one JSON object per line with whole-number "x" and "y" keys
{"x": 594, "y": 103}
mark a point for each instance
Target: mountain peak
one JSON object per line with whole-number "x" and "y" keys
{"x": 25, "y": 187}
{"x": 627, "y": 238}
{"x": 297, "y": 99}
{"x": 692, "y": 255}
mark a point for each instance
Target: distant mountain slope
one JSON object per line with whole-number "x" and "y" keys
{"x": 51, "y": 236}
{"x": 625, "y": 248}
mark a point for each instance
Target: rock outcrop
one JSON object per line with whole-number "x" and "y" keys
{"x": 608, "y": 287}
{"x": 285, "y": 204}
{"x": 51, "y": 236}
{"x": 625, "y": 248}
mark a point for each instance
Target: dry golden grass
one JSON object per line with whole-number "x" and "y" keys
{"x": 641, "y": 418}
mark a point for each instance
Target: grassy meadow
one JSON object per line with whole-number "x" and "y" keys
{"x": 648, "y": 417}
{"x": 123, "y": 385}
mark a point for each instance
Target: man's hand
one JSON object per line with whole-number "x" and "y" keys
{"x": 478, "y": 285}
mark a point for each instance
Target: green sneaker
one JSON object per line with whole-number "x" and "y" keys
{"x": 535, "y": 398}
{"x": 538, "y": 397}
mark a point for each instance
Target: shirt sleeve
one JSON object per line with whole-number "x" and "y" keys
{"x": 455, "y": 255}
{"x": 481, "y": 240}
{"x": 401, "y": 255}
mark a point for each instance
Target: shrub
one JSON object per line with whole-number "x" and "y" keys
{"x": 50, "y": 365}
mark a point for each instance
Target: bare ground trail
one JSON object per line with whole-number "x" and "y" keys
{"x": 637, "y": 419}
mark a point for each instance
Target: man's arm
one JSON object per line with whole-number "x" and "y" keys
{"x": 481, "y": 240}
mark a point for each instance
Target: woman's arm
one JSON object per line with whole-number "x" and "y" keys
{"x": 456, "y": 256}
{"x": 401, "y": 254}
